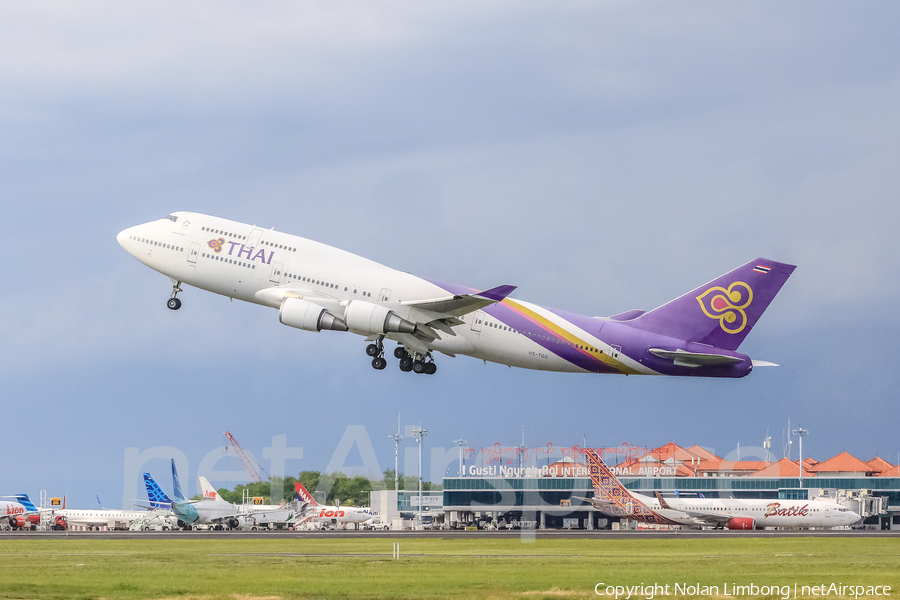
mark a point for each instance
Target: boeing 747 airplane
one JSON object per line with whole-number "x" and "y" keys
{"x": 316, "y": 287}
{"x": 612, "y": 498}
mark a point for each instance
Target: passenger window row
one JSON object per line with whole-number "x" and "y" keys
{"x": 322, "y": 283}
{"x": 278, "y": 246}
{"x": 225, "y": 233}
{"x": 542, "y": 337}
{"x": 229, "y": 261}
{"x": 155, "y": 243}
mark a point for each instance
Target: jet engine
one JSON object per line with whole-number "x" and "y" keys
{"x": 301, "y": 314}
{"x": 234, "y": 523}
{"x": 741, "y": 523}
{"x": 23, "y": 521}
{"x": 375, "y": 319}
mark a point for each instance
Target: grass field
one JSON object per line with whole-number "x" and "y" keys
{"x": 252, "y": 569}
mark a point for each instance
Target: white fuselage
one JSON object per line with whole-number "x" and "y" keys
{"x": 338, "y": 514}
{"x": 11, "y": 509}
{"x": 766, "y": 513}
{"x": 98, "y": 517}
{"x": 264, "y": 267}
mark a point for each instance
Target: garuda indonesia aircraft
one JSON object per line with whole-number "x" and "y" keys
{"x": 316, "y": 287}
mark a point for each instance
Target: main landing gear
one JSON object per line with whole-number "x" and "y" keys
{"x": 173, "y": 302}
{"x": 376, "y": 351}
{"x": 418, "y": 364}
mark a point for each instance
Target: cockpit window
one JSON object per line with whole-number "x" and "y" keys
{"x": 172, "y": 218}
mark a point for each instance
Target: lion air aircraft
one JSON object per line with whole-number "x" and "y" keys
{"x": 316, "y": 287}
{"x": 611, "y": 497}
{"x": 318, "y": 513}
{"x": 17, "y": 514}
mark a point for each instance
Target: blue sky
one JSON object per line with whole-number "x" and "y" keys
{"x": 600, "y": 156}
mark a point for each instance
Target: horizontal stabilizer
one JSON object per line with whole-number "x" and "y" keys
{"x": 683, "y": 358}
{"x": 627, "y": 316}
{"x": 764, "y": 363}
{"x": 463, "y": 304}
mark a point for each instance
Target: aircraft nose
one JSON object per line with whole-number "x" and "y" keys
{"x": 122, "y": 238}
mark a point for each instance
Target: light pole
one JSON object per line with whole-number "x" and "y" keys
{"x": 801, "y": 432}
{"x": 460, "y": 442}
{"x": 397, "y": 439}
{"x": 420, "y": 433}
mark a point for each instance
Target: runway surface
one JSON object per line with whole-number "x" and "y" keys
{"x": 386, "y": 535}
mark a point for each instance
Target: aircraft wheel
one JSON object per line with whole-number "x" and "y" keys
{"x": 372, "y": 350}
{"x": 400, "y": 352}
{"x": 418, "y": 367}
{"x": 378, "y": 363}
{"x": 430, "y": 368}
{"x": 173, "y": 303}
{"x": 406, "y": 364}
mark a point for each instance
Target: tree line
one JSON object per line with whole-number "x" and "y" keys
{"x": 326, "y": 488}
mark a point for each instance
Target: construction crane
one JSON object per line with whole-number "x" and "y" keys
{"x": 245, "y": 458}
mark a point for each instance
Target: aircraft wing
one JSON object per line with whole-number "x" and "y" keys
{"x": 702, "y": 516}
{"x": 705, "y": 517}
{"x": 462, "y": 304}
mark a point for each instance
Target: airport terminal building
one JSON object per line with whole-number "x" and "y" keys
{"x": 558, "y": 495}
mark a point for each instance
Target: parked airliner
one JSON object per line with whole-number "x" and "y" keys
{"x": 612, "y": 498}
{"x": 317, "y": 287}
{"x": 215, "y": 512}
{"x": 333, "y": 515}
{"x": 253, "y": 513}
{"x": 17, "y": 514}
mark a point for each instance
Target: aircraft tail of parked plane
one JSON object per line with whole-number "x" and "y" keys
{"x": 25, "y": 501}
{"x": 612, "y": 498}
{"x": 209, "y": 492}
{"x": 303, "y": 495}
{"x": 176, "y": 486}
{"x": 158, "y": 498}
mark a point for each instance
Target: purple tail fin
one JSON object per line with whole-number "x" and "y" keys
{"x": 722, "y": 312}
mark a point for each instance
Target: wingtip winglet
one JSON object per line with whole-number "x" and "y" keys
{"x": 497, "y": 293}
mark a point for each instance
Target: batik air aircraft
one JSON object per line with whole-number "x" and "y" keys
{"x": 316, "y": 287}
{"x": 318, "y": 513}
{"x": 611, "y": 497}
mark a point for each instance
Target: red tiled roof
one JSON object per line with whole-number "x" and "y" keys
{"x": 879, "y": 464}
{"x": 698, "y": 451}
{"x": 670, "y": 450}
{"x": 843, "y": 462}
{"x": 684, "y": 471}
{"x": 782, "y": 468}
{"x": 892, "y": 472}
